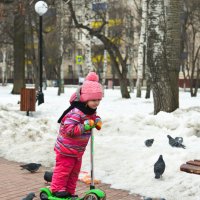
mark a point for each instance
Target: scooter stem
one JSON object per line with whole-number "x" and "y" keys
{"x": 92, "y": 186}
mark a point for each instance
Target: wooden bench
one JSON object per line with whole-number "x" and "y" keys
{"x": 192, "y": 166}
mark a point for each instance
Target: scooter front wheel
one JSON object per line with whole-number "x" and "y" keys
{"x": 91, "y": 197}
{"x": 43, "y": 196}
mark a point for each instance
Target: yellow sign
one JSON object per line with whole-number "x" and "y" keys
{"x": 111, "y": 22}
{"x": 79, "y": 60}
{"x": 100, "y": 58}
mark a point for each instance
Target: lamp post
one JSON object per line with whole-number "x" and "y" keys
{"x": 41, "y": 8}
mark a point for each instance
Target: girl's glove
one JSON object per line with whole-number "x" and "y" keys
{"x": 88, "y": 124}
{"x": 98, "y": 123}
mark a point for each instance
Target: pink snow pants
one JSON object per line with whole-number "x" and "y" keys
{"x": 65, "y": 174}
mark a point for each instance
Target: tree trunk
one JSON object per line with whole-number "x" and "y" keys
{"x": 197, "y": 80}
{"x": 142, "y": 49}
{"x": 173, "y": 50}
{"x": 19, "y": 51}
{"x": 123, "y": 88}
{"x": 138, "y": 87}
{"x": 122, "y": 75}
{"x": 163, "y": 59}
{"x": 61, "y": 67}
{"x": 60, "y": 80}
{"x": 35, "y": 64}
{"x": 148, "y": 88}
{"x": 3, "y": 71}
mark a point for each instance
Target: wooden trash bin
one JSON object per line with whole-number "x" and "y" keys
{"x": 28, "y": 99}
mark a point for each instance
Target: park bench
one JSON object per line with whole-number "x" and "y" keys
{"x": 192, "y": 166}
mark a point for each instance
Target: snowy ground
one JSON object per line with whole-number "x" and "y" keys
{"x": 121, "y": 158}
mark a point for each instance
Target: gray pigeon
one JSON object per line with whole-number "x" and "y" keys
{"x": 179, "y": 139}
{"x": 148, "y": 198}
{"x": 149, "y": 142}
{"x": 175, "y": 143}
{"x": 159, "y": 167}
{"x": 48, "y": 176}
{"x": 30, "y": 196}
{"x": 31, "y": 167}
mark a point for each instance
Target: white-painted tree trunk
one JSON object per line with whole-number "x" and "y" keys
{"x": 89, "y": 55}
{"x": 162, "y": 58}
{"x": 141, "y": 53}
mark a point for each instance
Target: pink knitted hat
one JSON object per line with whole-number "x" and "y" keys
{"x": 91, "y": 88}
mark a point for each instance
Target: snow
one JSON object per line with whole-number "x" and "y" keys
{"x": 121, "y": 158}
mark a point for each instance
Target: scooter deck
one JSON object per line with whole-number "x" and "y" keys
{"x": 68, "y": 198}
{"x": 48, "y": 195}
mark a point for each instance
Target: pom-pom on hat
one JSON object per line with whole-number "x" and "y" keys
{"x": 91, "y": 89}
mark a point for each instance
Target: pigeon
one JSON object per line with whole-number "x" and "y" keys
{"x": 149, "y": 142}
{"x": 148, "y": 198}
{"x": 175, "y": 143}
{"x": 31, "y": 167}
{"x": 30, "y": 196}
{"x": 159, "y": 167}
{"x": 179, "y": 139}
{"x": 48, "y": 176}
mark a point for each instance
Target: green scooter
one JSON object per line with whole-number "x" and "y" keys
{"x": 92, "y": 194}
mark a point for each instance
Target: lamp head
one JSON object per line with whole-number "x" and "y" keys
{"x": 41, "y": 7}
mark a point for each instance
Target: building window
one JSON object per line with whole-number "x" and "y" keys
{"x": 70, "y": 53}
{"x": 79, "y": 52}
{"x": 70, "y": 69}
{"x": 79, "y": 18}
{"x": 128, "y": 50}
{"x": 79, "y": 35}
{"x": 96, "y": 1}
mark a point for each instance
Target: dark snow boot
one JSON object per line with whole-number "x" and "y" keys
{"x": 61, "y": 194}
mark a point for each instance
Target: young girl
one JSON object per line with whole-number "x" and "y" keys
{"x": 75, "y": 130}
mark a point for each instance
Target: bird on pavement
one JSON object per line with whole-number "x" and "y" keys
{"x": 175, "y": 143}
{"x": 149, "y": 142}
{"x": 159, "y": 167}
{"x": 48, "y": 176}
{"x": 149, "y": 198}
{"x": 30, "y": 196}
{"x": 31, "y": 167}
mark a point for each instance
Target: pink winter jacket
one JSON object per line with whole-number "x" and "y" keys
{"x": 72, "y": 138}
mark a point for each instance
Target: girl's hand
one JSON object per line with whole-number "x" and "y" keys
{"x": 89, "y": 124}
{"x": 98, "y": 123}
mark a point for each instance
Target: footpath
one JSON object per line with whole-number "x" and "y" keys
{"x": 15, "y": 184}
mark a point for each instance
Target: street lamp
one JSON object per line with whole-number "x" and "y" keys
{"x": 41, "y": 8}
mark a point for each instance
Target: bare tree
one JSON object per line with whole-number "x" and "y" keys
{"x": 142, "y": 49}
{"x": 190, "y": 44}
{"x": 118, "y": 61}
{"x": 173, "y": 51}
{"x": 61, "y": 25}
{"x": 163, "y": 53}
{"x": 19, "y": 49}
